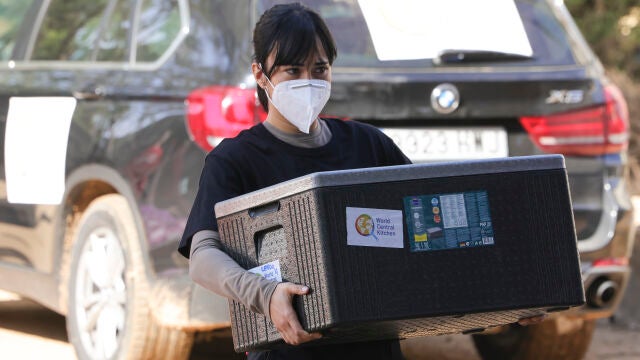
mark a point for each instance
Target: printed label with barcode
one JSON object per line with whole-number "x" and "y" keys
{"x": 448, "y": 221}
{"x": 454, "y": 212}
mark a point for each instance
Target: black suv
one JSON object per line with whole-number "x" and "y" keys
{"x": 108, "y": 107}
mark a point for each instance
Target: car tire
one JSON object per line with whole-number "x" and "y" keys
{"x": 108, "y": 313}
{"x": 555, "y": 339}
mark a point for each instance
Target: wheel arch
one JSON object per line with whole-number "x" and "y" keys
{"x": 84, "y": 185}
{"x": 199, "y": 310}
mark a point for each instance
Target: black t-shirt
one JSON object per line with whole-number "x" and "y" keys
{"x": 256, "y": 159}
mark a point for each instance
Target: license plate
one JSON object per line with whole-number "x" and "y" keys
{"x": 434, "y": 144}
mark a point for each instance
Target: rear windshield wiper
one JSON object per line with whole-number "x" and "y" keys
{"x": 476, "y": 56}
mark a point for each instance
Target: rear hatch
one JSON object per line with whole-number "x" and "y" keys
{"x": 447, "y": 84}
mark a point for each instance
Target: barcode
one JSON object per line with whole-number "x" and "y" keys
{"x": 454, "y": 211}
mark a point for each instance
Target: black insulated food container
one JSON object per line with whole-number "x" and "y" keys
{"x": 410, "y": 250}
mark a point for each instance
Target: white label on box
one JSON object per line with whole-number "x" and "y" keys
{"x": 270, "y": 271}
{"x": 374, "y": 227}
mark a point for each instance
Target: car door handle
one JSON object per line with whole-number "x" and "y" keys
{"x": 89, "y": 93}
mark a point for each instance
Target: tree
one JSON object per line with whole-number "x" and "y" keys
{"x": 612, "y": 28}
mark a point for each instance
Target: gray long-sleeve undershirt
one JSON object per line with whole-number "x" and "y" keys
{"x": 211, "y": 268}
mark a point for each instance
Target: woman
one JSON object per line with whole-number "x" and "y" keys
{"x": 294, "y": 52}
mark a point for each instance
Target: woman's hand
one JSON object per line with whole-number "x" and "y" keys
{"x": 532, "y": 320}
{"x": 284, "y": 316}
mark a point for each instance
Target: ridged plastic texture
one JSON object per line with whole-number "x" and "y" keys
{"x": 369, "y": 293}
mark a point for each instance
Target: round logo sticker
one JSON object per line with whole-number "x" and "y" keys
{"x": 364, "y": 225}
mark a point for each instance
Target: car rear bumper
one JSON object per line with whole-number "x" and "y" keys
{"x": 605, "y": 261}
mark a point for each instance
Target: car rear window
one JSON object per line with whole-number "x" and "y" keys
{"x": 547, "y": 40}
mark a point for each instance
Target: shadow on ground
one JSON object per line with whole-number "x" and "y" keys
{"x": 21, "y": 315}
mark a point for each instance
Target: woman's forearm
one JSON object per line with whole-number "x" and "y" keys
{"x": 211, "y": 268}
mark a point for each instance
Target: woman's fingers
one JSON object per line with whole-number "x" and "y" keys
{"x": 284, "y": 316}
{"x": 532, "y": 320}
{"x": 297, "y": 335}
{"x": 298, "y": 289}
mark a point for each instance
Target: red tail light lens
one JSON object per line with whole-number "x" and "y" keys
{"x": 218, "y": 112}
{"x": 623, "y": 261}
{"x": 593, "y": 131}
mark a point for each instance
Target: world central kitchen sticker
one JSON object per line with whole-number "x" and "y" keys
{"x": 448, "y": 221}
{"x": 374, "y": 227}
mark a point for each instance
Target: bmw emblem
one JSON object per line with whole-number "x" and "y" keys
{"x": 445, "y": 98}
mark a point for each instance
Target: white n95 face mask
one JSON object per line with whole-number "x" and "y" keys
{"x": 300, "y": 101}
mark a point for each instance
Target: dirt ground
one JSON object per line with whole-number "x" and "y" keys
{"x": 29, "y": 331}
{"x": 610, "y": 342}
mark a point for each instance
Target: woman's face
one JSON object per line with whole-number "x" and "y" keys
{"x": 316, "y": 66}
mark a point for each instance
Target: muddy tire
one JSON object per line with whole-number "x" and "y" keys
{"x": 555, "y": 339}
{"x": 168, "y": 343}
{"x": 108, "y": 312}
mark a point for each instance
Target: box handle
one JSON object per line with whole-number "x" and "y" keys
{"x": 264, "y": 209}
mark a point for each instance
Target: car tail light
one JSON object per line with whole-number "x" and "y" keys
{"x": 622, "y": 261}
{"x": 218, "y": 112}
{"x": 596, "y": 130}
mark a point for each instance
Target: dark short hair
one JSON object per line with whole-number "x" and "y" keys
{"x": 291, "y": 30}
